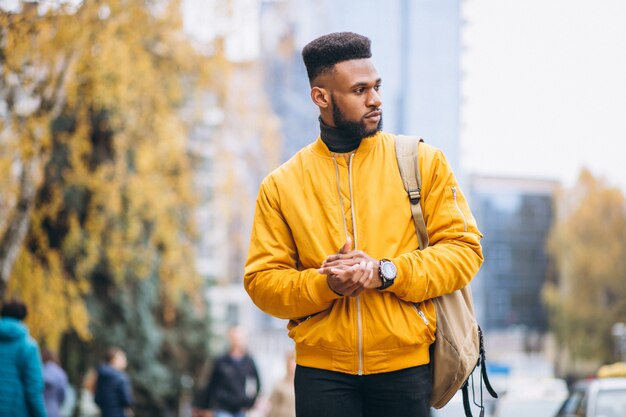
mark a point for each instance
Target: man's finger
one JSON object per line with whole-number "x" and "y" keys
{"x": 365, "y": 272}
{"x": 341, "y": 262}
{"x": 353, "y": 277}
{"x": 347, "y": 247}
{"x": 328, "y": 269}
{"x": 357, "y": 255}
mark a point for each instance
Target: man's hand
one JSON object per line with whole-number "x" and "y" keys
{"x": 350, "y": 272}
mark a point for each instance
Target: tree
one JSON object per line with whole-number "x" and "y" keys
{"x": 587, "y": 245}
{"x": 98, "y": 185}
{"x": 36, "y": 66}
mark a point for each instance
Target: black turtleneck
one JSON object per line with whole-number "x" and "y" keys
{"x": 337, "y": 140}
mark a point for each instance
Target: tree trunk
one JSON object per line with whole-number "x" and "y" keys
{"x": 53, "y": 100}
{"x": 18, "y": 221}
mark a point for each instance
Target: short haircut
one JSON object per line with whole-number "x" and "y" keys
{"x": 111, "y": 353}
{"x": 321, "y": 54}
{"x": 14, "y": 309}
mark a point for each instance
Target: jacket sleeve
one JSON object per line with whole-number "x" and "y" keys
{"x": 33, "y": 380}
{"x": 257, "y": 380}
{"x": 454, "y": 254}
{"x": 124, "y": 392}
{"x": 271, "y": 276}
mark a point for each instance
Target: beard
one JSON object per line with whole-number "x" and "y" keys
{"x": 354, "y": 129}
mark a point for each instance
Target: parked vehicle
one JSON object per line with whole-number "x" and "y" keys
{"x": 601, "y": 397}
{"x": 531, "y": 397}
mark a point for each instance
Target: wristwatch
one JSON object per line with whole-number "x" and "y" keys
{"x": 387, "y": 272}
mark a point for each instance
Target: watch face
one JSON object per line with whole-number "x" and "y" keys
{"x": 389, "y": 270}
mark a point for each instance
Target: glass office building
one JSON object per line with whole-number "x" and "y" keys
{"x": 515, "y": 216}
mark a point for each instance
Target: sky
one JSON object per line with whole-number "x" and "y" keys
{"x": 544, "y": 88}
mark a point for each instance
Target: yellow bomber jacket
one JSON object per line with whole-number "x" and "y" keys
{"x": 304, "y": 211}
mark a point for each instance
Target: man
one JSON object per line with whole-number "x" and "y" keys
{"x": 21, "y": 378}
{"x": 113, "y": 393}
{"x": 234, "y": 383}
{"x": 362, "y": 318}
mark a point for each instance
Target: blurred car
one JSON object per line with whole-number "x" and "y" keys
{"x": 455, "y": 407}
{"x": 535, "y": 397}
{"x": 602, "y": 397}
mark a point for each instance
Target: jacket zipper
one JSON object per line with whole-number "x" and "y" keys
{"x": 355, "y": 240}
{"x": 456, "y": 204}
{"x": 302, "y": 320}
{"x": 358, "y": 297}
{"x": 421, "y": 314}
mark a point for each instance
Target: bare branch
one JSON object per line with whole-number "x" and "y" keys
{"x": 19, "y": 221}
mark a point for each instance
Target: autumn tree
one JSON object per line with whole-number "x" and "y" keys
{"x": 588, "y": 247}
{"x": 36, "y": 64}
{"x": 97, "y": 228}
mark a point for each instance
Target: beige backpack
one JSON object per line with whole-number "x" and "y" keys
{"x": 458, "y": 347}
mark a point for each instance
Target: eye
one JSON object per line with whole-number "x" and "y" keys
{"x": 359, "y": 90}
{"x": 377, "y": 87}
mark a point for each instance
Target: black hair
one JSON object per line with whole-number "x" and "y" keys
{"x": 14, "y": 309}
{"x": 323, "y": 53}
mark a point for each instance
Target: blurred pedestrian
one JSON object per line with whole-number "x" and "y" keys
{"x": 282, "y": 399}
{"x": 21, "y": 377}
{"x": 113, "y": 393}
{"x": 234, "y": 384}
{"x": 334, "y": 248}
{"x": 55, "y": 383}
{"x": 87, "y": 405}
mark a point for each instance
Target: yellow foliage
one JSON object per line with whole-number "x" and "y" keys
{"x": 588, "y": 246}
{"x": 55, "y": 300}
{"x": 120, "y": 191}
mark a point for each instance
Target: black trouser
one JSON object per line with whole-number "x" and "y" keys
{"x": 404, "y": 393}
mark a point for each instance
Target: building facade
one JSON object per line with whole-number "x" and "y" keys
{"x": 515, "y": 216}
{"x": 416, "y": 50}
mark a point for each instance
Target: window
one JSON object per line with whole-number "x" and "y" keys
{"x": 611, "y": 403}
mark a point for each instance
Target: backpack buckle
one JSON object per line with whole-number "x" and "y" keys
{"x": 414, "y": 195}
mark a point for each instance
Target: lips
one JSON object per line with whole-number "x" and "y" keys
{"x": 374, "y": 114}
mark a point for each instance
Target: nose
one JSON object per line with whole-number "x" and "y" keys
{"x": 374, "y": 99}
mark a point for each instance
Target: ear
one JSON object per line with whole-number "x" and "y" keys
{"x": 320, "y": 97}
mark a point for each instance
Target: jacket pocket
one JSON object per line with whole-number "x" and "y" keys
{"x": 421, "y": 314}
{"x": 398, "y": 324}
{"x": 457, "y": 207}
{"x": 462, "y": 219}
{"x": 330, "y": 329}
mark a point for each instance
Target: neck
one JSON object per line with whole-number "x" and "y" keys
{"x": 337, "y": 140}
{"x": 237, "y": 353}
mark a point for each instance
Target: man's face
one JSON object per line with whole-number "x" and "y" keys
{"x": 237, "y": 338}
{"x": 119, "y": 361}
{"x": 355, "y": 97}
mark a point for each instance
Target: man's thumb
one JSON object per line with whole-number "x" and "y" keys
{"x": 347, "y": 247}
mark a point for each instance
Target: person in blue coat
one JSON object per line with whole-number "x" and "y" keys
{"x": 21, "y": 377}
{"x": 113, "y": 393}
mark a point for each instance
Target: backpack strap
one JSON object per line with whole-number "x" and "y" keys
{"x": 483, "y": 365}
{"x": 407, "y": 148}
{"x": 407, "y": 151}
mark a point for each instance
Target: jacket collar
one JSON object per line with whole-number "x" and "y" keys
{"x": 320, "y": 148}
